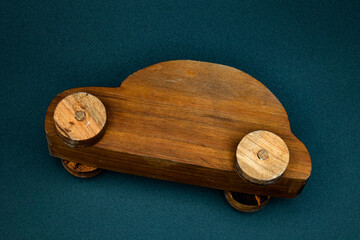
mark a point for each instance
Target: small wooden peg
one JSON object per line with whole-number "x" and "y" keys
{"x": 80, "y": 119}
{"x": 262, "y": 157}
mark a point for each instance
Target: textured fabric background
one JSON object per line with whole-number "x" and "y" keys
{"x": 306, "y": 53}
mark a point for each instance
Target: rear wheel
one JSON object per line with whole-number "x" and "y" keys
{"x": 80, "y": 170}
{"x": 246, "y": 202}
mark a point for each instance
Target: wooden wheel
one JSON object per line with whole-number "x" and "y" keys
{"x": 246, "y": 202}
{"x": 80, "y": 119}
{"x": 262, "y": 157}
{"x": 80, "y": 170}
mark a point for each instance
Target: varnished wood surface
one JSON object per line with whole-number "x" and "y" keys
{"x": 182, "y": 121}
{"x": 262, "y": 157}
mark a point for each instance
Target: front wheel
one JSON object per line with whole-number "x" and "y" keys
{"x": 246, "y": 202}
{"x": 80, "y": 170}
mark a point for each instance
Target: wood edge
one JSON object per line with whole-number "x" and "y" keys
{"x": 253, "y": 180}
{"x": 308, "y": 160}
{"x": 82, "y": 143}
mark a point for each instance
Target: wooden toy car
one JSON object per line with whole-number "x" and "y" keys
{"x": 184, "y": 121}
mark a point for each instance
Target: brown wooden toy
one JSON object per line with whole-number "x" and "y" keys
{"x": 184, "y": 121}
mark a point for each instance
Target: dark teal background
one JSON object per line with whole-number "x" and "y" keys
{"x": 306, "y": 53}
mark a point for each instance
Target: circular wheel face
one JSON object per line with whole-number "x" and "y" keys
{"x": 80, "y": 170}
{"x": 262, "y": 157}
{"x": 246, "y": 202}
{"x": 80, "y": 119}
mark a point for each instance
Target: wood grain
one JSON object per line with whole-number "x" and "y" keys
{"x": 262, "y": 157}
{"x": 182, "y": 121}
{"x": 80, "y": 119}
